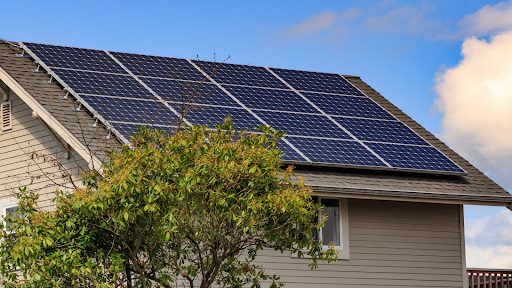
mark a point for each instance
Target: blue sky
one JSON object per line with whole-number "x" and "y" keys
{"x": 398, "y": 47}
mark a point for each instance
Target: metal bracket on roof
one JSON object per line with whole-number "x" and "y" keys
{"x": 51, "y": 79}
{"x": 22, "y": 54}
{"x": 95, "y": 124}
{"x": 37, "y": 68}
{"x": 109, "y": 134}
{"x": 65, "y": 96}
{"x": 79, "y": 108}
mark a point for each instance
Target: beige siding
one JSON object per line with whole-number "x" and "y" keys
{"x": 32, "y": 156}
{"x": 392, "y": 244}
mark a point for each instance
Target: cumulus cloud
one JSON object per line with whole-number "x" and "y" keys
{"x": 475, "y": 97}
{"x": 490, "y": 19}
{"x": 489, "y": 241}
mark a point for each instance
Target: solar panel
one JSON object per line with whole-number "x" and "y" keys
{"x": 240, "y": 74}
{"x": 127, "y": 130}
{"x": 303, "y": 124}
{"x": 131, "y": 110}
{"x": 380, "y": 131}
{"x": 84, "y": 82}
{"x": 270, "y": 99}
{"x": 289, "y": 154}
{"x": 190, "y": 92}
{"x": 414, "y": 157}
{"x": 348, "y": 106}
{"x": 317, "y": 82}
{"x": 164, "y": 67}
{"x": 375, "y": 138}
{"x": 75, "y": 58}
{"x": 211, "y": 116}
{"x": 333, "y": 151}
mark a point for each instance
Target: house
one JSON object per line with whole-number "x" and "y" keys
{"x": 395, "y": 203}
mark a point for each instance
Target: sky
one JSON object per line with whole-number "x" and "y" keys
{"x": 448, "y": 64}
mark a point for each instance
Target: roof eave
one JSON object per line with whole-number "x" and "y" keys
{"x": 413, "y": 196}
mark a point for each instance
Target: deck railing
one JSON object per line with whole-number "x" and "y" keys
{"x": 489, "y": 278}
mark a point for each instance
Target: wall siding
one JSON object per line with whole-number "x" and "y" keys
{"x": 392, "y": 244}
{"x": 29, "y": 154}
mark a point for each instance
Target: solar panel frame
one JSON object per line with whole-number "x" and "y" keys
{"x": 373, "y": 130}
{"x": 314, "y": 125}
{"x": 94, "y": 83}
{"x": 222, "y": 73}
{"x": 77, "y": 61}
{"x": 344, "y": 149}
{"x": 142, "y": 111}
{"x": 404, "y": 157}
{"x": 128, "y": 129}
{"x": 270, "y": 99}
{"x": 190, "y": 92}
{"x": 209, "y": 115}
{"x": 158, "y": 66}
{"x": 301, "y": 81}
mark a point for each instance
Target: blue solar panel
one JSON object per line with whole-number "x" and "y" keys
{"x": 348, "y": 106}
{"x": 414, "y": 157}
{"x": 211, "y": 116}
{"x": 317, "y": 82}
{"x": 125, "y": 104}
{"x": 380, "y": 131}
{"x": 339, "y": 152}
{"x": 75, "y": 58}
{"x": 289, "y": 153}
{"x": 270, "y": 99}
{"x": 130, "y": 110}
{"x": 190, "y": 92}
{"x": 127, "y": 130}
{"x": 303, "y": 124}
{"x": 164, "y": 67}
{"x": 240, "y": 74}
{"x": 103, "y": 84}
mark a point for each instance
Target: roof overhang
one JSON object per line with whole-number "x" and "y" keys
{"x": 413, "y": 196}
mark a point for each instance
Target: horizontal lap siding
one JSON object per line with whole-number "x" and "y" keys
{"x": 27, "y": 157}
{"x": 392, "y": 244}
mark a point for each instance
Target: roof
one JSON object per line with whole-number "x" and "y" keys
{"x": 475, "y": 187}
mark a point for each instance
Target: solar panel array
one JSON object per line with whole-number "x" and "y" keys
{"x": 328, "y": 120}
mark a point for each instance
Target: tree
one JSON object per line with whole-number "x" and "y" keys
{"x": 191, "y": 209}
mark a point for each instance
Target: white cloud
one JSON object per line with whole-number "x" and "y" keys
{"x": 489, "y": 241}
{"x": 311, "y": 25}
{"x": 490, "y": 19}
{"x": 475, "y": 97}
{"x": 409, "y": 20}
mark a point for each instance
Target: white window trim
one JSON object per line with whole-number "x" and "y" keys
{"x": 344, "y": 247}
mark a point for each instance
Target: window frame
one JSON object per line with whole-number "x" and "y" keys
{"x": 5, "y": 204}
{"x": 344, "y": 247}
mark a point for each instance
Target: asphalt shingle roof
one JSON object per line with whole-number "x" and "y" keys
{"x": 473, "y": 187}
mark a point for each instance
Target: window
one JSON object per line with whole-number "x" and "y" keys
{"x": 8, "y": 206}
{"x": 9, "y": 212}
{"x": 335, "y": 230}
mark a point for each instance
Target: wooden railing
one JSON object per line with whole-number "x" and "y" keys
{"x": 489, "y": 278}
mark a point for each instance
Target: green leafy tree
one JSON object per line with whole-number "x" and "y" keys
{"x": 192, "y": 209}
